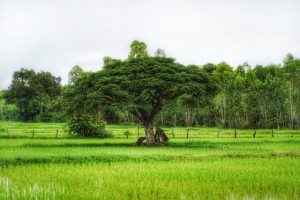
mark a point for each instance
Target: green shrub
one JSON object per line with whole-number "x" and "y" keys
{"x": 86, "y": 126}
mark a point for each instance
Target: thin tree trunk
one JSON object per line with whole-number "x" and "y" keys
{"x": 124, "y": 117}
{"x": 131, "y": 117}
{"x": 277, "y": 120}
{"x": 291, "y": 106}
{"x": 189, "y": 116}
{"x": 186, "y": 118}
{"x": 224, "y": 109}
{"x": 175, "y": 120}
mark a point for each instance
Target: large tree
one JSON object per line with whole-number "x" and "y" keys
{"x": 141, "y": 86}
{"x": 33, "y": 92}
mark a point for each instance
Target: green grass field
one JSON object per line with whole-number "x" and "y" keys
{"x": 199, "y": 167}
{"x": 57, "y": 130}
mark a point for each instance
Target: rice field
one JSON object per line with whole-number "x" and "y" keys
{"x": 58, "y": 130}
{"x": 201, "y": 166}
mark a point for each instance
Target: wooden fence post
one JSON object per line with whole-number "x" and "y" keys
{"x": 187, "y": 133}
{"x": 56, "y": 133}
{"x": 234, "y": 133}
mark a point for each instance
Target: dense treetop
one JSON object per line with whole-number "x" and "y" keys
{"x": 141, "y": 85}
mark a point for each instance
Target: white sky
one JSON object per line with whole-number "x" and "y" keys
{"x": 55, "y": 35}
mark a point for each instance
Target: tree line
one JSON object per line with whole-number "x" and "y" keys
{"x": 156, "y": 88}
{"x": 249, "y": 97}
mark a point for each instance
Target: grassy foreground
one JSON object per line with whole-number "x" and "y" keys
{"x": 194, "y": 168}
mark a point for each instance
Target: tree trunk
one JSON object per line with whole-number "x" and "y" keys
{"x": 149, "y": 133}
{"x": 277, "y": 120}
{"x": 291, "y": 106}
{"x": 175, "y": 120}
{"x": 224, "y": 109}
{"x": 188, "y": 114}
{"x": 186, "y": 118}
{"x": 162, "y": 118}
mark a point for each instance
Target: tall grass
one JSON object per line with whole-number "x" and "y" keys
{"x": 228, "y": 178}
{"x": 200, "y": 167}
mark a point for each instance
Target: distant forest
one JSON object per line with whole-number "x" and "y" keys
{"x": 247, "y": 97}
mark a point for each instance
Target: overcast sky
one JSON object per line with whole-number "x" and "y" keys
{"x": 54, "y": 35}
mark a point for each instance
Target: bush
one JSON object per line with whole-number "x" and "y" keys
{"x": 86, "y": 126}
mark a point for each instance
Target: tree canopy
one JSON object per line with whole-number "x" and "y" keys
{"x": 32, "y": 93}
{"x": 140, "y": 85}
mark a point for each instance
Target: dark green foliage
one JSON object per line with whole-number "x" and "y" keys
{"x": 108, "y": 61}
{"x": 209, "y": 68}
{"x": 86, "y": 126}
{"x": 33, "y": 93}
{"x": 141, "y": 85}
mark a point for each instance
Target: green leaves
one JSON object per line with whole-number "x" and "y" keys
{"x": 33, "y": 92}
{"x": 75, "y": 74}
{"x": 86, "y": 126}
{"x": 138, "y": 50}
{"x": 140, "y": 85}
